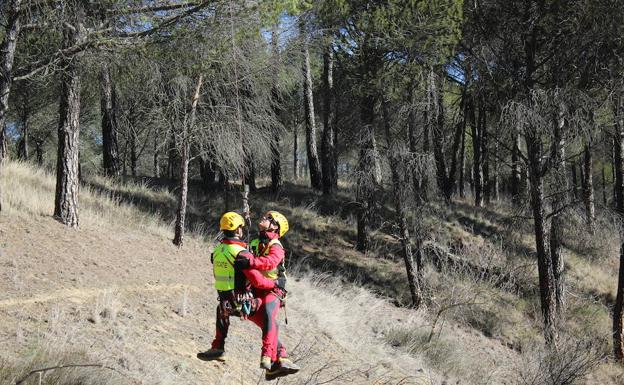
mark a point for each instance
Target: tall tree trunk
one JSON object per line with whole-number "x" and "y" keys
{"x": 413, "y": 146}
{"x": 618, "y": 308}
{"x": 516, "y": 172}
{"x": 435, "y": 115}
{"x": 575, "y": 187}
{"x": 296, "y": 173}
{"x": 23, "y": 146}
{"x": 7, "y": 56}
{"x": 124, "y": 159}
{"x": 588, "y": 185}
{"x": 277, "y": 181}
{"x": 250, "y": 174}
{"x": 172, "y": 155}
{"x": 39, "y": 152}
{"x": 559, "y": 186}
{"x": 462, "y": 151}
{"x": 496, "y": 178}
{"x": 187, "y": 127}
{"x": 134, "y": 157}
{"x": 544, "y": 261}
{"x": 477, "y": 170}
{"x": 276, "y": 163}
{"x": 414, "y": 273}
{"x": 308, "y": 101}
{"x": 365, "y": 173}
{"x": 110, "y": 151}
{"x": 604, "y": 186}
{"x": 614, "y": 169}
{"x": 67, "y": 164}
{"x": 156, "y": 154}
{"x": 178, "y": 238}
{"x": 329, "y": 171}
{"x": 485, "y": 157}
{"x": 428, "y": 125}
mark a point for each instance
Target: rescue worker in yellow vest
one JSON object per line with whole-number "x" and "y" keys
{"x": 269, "y": 260}
{"x": 231, "y": 283}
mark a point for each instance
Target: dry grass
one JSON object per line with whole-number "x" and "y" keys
{"x": 28, "y": 190}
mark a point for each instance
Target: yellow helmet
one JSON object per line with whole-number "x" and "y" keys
{"x": 231, "y": 221}
{"x": 281, "y": 221}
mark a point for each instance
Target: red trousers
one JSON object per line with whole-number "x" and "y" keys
{"x": 266, "y": 319}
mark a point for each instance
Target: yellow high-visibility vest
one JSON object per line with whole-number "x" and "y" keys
{"x": 223, "y": 258}
{"x": 255, "y": 244}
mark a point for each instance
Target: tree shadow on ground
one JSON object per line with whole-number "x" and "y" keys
{"x": 207, "y": 204}
{"x": 504, "y": 230}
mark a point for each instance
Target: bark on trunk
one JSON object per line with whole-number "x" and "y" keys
{"x": 614, "y": 169}
{"x": 311, "y": 147}
{"x": 365, "y": 177}
{"x": 516, "y": 172}
{"x": 437, "y": 135}
{"x": 178, "y": 238}
{"x": 462, "y": 153}
{"x": 156, "y": 155}
{"x": 296, "y": 173}
{"x": 588, "y": 186}
{"x": 485, "y": 157}
{"x": 110, "y": 151}
{"x": 7, "y": 56}
{"x": 188, "y": 126}
{"x": 250, "y": 174}
{"x": 276, "y": 163}
{"x": 329, "y": 171}
{"x": 559, "y": 202}
{"x": 134, "y": 158}
{"x": 414, "y": 273}
{"x": 544, "y": 261}
{"x": 476, "y": 126}
{"x": 277, "y": 181}
{"x": 67, "y": 164}
{"x": 172, "y": 155}
{"x": 413, "y": 147}
{"x": 39, "y": 152}
{"x": 618, "y": 308}
{"x": 496, "y": 179}
{"x": 604, "y": 186}
{"x": 575, "y": 187}
{"x": 23, "y": 146}
{"x": 427, "y": 125}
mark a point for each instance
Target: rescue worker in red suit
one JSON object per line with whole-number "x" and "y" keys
{"x": 232, "y": 283}
{"x": 269, "y": 260}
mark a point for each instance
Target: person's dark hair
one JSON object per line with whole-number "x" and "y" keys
{"x": 229, "y": 233}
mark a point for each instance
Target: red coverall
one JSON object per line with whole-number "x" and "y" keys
{"x": 256, "y": 280}
{"x": 266, "y": 316}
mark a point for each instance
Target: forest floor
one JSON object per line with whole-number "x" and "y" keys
{"x": 117, "y": 293}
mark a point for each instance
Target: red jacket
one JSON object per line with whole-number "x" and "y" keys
{"x": 273, "y": 258}
{"x": 255, "y": 278}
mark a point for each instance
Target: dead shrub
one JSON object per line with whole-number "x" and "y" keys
{"x": 568, "y": 365}
{"x": 601, "y": 243}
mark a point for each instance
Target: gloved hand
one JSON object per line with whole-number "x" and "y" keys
{"x": 241, "y": 263}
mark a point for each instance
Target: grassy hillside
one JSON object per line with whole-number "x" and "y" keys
{"x": 118, "y": 295}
